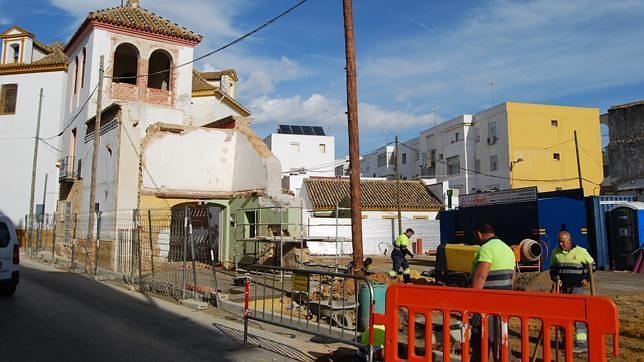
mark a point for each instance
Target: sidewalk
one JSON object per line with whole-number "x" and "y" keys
{"x": 226, "y": 318}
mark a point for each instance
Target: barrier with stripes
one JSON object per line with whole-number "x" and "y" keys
{"x": 559, "y": 312}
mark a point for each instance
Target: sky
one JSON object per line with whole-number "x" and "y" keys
{"x": 420, "y": 62}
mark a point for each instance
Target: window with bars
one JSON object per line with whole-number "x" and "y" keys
{"x": 8, "y": 98}
{"x": 494, "y": 163}
{"x": 453, "y": 165}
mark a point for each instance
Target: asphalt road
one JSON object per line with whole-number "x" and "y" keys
{"x": 58, "y": 316}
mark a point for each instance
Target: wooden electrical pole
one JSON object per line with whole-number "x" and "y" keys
{"x": 398, "y": 186}
{"x": 97, "y": 142}
{"x": 581, "y": 185}
{"x": 354, "y": 140}
{"x": 33, "y": 172}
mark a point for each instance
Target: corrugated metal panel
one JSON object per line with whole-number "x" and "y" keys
{"x": 377, "y": 235}
{"x": 561, "y": 213}
{"x": 599, "y": 227}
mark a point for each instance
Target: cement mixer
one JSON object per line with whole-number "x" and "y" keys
{"x": 454, "y": 261}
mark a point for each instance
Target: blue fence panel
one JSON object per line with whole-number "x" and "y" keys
{"x": 597, "y": 220}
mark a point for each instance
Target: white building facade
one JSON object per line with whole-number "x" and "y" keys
{"x": 303, "y": 151}
{"x": 26, "y": 67}
{"x": 146, "y": 92}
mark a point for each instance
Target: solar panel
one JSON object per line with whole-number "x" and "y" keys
{"x": 285, "y": 129}
{"x": 308, "y": 130}
{"x": 303, "y": 130}
{"x": 297, "y": 129}
{"x": 319, "y": 131}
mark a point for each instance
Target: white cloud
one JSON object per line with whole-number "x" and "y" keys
{"x": 320, "y": 110}
{"x": 214, "y": 18}
{"x": 215, "y": 21}
{"x": 538, "y": 50}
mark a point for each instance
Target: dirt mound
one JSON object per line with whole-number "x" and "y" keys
{"x": 533, "y": 282}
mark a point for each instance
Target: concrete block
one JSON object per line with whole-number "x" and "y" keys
{"x": 194, "y": 304}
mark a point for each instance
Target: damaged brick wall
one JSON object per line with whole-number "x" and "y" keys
{"x": 626, "y": 146}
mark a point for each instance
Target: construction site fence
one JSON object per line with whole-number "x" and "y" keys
{"x": 428, "y": 323}
{"x": 168, "y": 251}
{"x": 320, "y": 303}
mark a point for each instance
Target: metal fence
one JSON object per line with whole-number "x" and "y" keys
{"x": 316, "y": 302}
{"x": 168, "y": 251}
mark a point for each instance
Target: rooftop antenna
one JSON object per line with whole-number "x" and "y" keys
{"x": 492, "y": 84}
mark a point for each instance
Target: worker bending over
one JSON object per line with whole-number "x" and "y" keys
{"x": 492, "y": 268}
{"x": 569, "y": 264}
{"x": 401, "y": 245}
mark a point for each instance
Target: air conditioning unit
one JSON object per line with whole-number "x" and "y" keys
{"x": 491, "y": 140}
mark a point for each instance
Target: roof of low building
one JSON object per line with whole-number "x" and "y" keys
{"x": 211, "y": 76}
{"x": 201, "y": 88}
{"x": 627, "y": 105}
{"x": 326, "y": 192}
{"x": 132, "y": 16}
{"x": 54, "y": 60}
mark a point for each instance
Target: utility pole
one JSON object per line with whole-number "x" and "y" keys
{"x": 97, "y": 142}
{"x": 33, "y": 172}
{"x": 581, "y": 185}
{"x": 398, "y": 186}
{"x": 44, "y": 199}
{"x": 354, "y": 140}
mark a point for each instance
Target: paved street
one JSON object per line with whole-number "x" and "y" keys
{"x": 57, "y": 316}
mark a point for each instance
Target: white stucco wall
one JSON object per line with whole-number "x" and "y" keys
{"x": 203, "y": 160}
{"x": 17, "y": 143}
{"x": 204, "y": 110}
{"x": 442, "y": 138}
{"x": 117, "y": 187}
{"x": 483, "y": 150}
{"x": 306, "y": 155}
{"x": 206, "y": 166}
{"x": 369, "y": 163}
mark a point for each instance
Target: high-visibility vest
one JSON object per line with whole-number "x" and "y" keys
{"x": 401, "y": 241}
{"x": 571, "y": 265}
{"x": 501, "y": 258}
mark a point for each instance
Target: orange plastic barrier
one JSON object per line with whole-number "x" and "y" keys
{"x": 599, "y": 314}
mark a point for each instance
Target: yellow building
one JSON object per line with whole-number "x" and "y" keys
{"x": 534, "y": 145}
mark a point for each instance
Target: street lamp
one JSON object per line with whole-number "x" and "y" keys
{"x": 512, "y": 163}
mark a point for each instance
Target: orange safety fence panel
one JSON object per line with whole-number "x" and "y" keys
{"x": 552, "y": 310}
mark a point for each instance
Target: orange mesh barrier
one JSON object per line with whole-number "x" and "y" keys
{"x": 553, "y": 311}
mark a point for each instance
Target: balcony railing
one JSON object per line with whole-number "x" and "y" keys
{"x": 67, "y": 171}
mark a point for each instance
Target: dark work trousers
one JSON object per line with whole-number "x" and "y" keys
{"x": 398, "y": 259}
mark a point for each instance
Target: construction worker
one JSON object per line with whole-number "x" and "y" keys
{"x": 569, "y": 264}
{"x": 398, "y": 254}
{"x": 492, "y": 268}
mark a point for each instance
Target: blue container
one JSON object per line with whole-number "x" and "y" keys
{"x": 364, "y": 298}
{"x": 597, "y": 207}
{"x": 564, "y": 210}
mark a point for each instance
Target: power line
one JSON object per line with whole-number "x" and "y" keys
{"x": 591, "y": 156}
{"x": 50, "y": 145}
{"x": 75, "y": 116}
{"x": 252, "y": 32}
{"x": 141, "y": 160}
{"x": 496, "y": 176}
{"x": 227, "y": 45}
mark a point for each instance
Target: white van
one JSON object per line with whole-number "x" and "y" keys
{"x": 9, "y": 257}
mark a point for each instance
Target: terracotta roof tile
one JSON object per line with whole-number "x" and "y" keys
{"x": 138, "y": 18}
{"x": 55, "y": 60}
{"x": 326, "y": 192}
{"x": 199, "y": 83}
{"x": 217, "y": 75}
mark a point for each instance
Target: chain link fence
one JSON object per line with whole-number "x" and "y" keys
{"x": 166, "y": 251}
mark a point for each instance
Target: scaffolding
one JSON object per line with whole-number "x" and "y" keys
{"x": 257, "y": 226}
{"x": 280, "y": 226}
